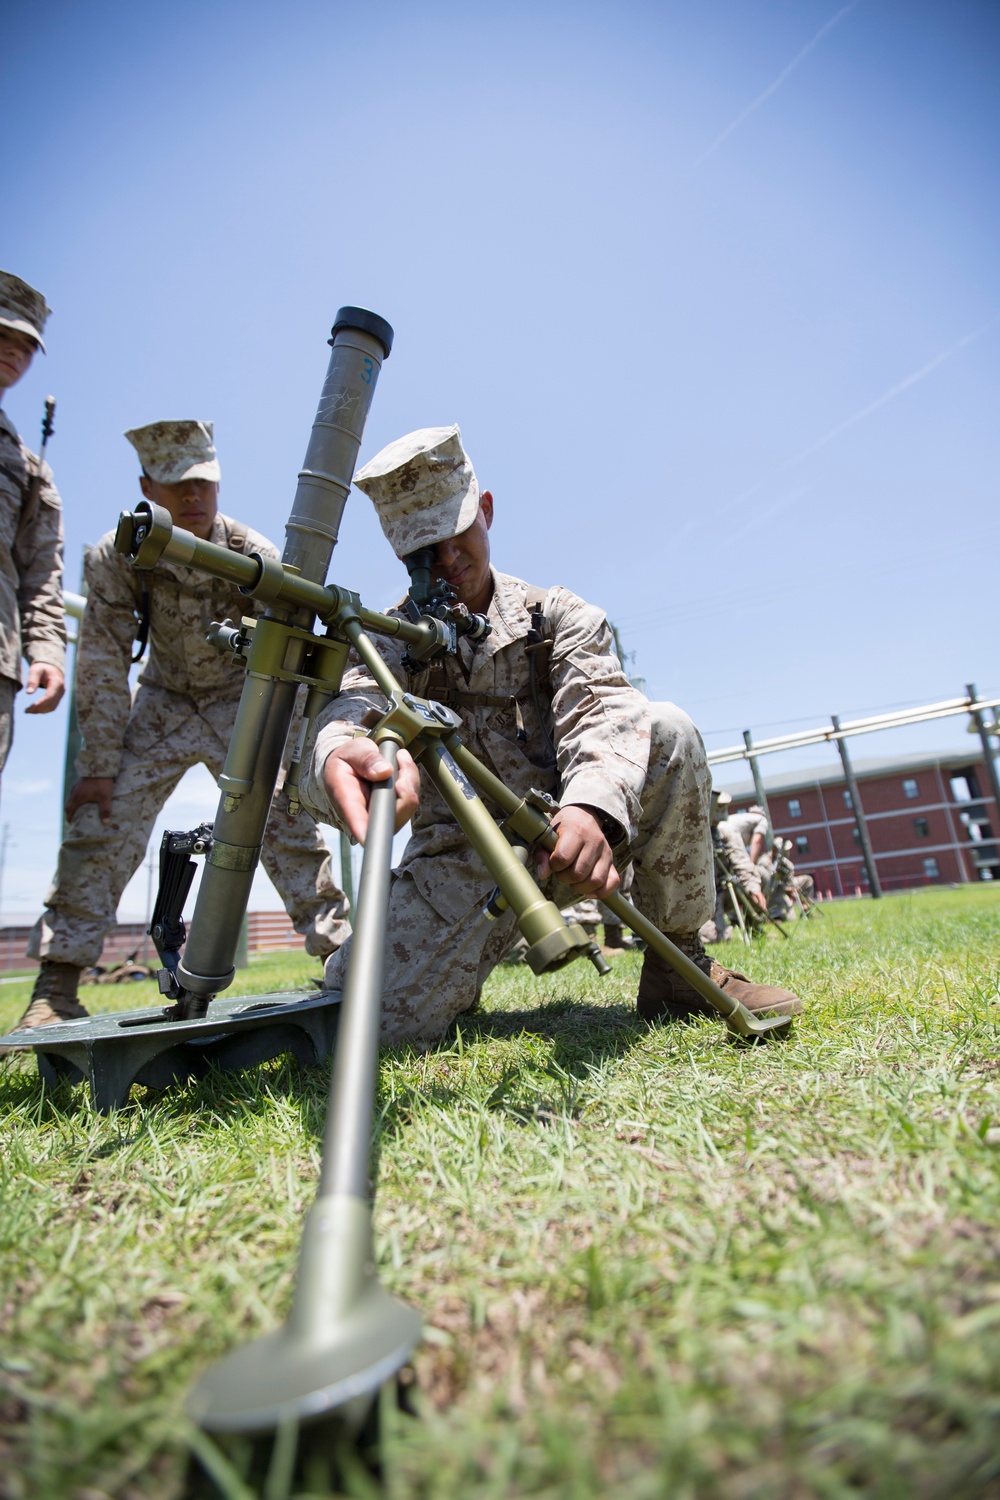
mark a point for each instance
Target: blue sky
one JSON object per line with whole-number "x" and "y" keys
{"x": 726, "y": 353}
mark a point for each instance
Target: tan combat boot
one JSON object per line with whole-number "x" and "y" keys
{"x": 53, "y": 998}
{"x": 665, "y": 996}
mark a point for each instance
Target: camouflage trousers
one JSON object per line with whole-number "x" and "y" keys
{"x": 7, "y": 692}
{"x": 439, "y": 956}
{"x": 591, "y": 913}
{"x": 97, "y": 861}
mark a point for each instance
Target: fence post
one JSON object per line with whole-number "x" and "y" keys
{"x": 758, "y": 782}
{"x": 991, "y": 765}
{"x": 867, "y": 853}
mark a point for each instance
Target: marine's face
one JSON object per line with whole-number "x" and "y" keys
{"x": 464, "y": 560}
{"x": 192, "y": 503}
{"x": 17, "y": 351}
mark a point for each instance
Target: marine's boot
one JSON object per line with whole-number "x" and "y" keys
{"x": 53, "y": 998}
{"x": 614, "y": 937}
{"x": 665, "y": 996}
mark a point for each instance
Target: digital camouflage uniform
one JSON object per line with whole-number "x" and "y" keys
{"x": 731, "y": 854}
{"x": 641, "y": 765}
{"x": 182, "y": 715}
{"x": 777, "y": 873}
{"x": 32, "y": 621}
{"x": 746, "y": 824}
{"x": 591, "y": 913}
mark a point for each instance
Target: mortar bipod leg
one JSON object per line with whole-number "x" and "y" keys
{"x": 552, "y": 941}
{"x": 738, "y": 909}
{"x": 736, "y": 1016}
{"x": 345, "y": 1334}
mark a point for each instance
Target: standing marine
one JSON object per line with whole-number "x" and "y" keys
{"x": 135, "y": 751}
{"x": 32, "y": 621}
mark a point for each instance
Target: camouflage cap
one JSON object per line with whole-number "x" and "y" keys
{"x": 423, "y": 488}
{"x": 172, "y": 451}
{"x": 720, "y": 805}
{"x": 22, "y": 308}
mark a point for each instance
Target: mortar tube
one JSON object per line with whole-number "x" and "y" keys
{"x": 360, "y": 341}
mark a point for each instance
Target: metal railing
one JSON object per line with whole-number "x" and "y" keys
{"x": 833, "y": 732}
{"x": 838, "y": 734}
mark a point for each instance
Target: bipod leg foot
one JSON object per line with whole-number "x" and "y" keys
{"x": 740, "y": 1021}
{"x": 330, "y": 1456}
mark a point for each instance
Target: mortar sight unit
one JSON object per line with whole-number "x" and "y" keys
{"x": 345, "y": 1335}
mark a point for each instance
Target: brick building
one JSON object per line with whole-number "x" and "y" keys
{"x": 931, "y": 820}
{"x": 267, "y": 932}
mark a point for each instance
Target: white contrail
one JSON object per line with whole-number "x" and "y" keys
{"x": 761, "y": 98}
{"x": 842, "y": 427}
{"x": 755, "y": 522}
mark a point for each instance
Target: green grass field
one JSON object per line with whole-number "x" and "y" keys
{"x": 652, "y": 1264}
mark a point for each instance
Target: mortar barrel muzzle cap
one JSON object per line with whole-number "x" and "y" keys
{"x": 365, "y": 322}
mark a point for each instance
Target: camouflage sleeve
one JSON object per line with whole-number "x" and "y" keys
{"x": 104, "y": 653}
{"x": 739, "y": 861}
{"x": 600, "y": 722}
{"x": 38, "y": 557}
{"x": 358, "y": 700}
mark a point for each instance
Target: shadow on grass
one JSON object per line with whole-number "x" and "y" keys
{"x": 583, "y": 1036}
{"x": 528, "y": 1090}
{"x": 580, "y": 1032}
{"x": 220, "y": 1098}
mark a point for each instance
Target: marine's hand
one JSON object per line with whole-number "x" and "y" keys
{"x": 52, "y": 682}
{"x": 348, "y": 776}
{"x": 99, "y": 789}
{"x": 582, "y": 856}
{"x": 758, "y": 898}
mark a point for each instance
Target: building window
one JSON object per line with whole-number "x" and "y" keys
{"x": 965, "y": 786}
{"x": 847, "y": 798}
{"x": 922, "y": 828}
{"x": 931, "y": 868}
{"x": 794, "y": 807}
{"x": 802, "y": 843}
{"x": 910, "y": 788}
{"x": 976, "y": 825}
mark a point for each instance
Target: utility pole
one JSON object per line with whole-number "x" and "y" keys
{"x": 4, "y": 841}
{"x": 151, "y": 863}
{"x": 867, "y": 852}
{"x": 639, "y": 683}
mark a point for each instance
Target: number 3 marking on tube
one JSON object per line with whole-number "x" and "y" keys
{"x": 367, "y": 370}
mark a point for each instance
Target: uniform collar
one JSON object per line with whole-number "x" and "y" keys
{"x": 507, "y": 612}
